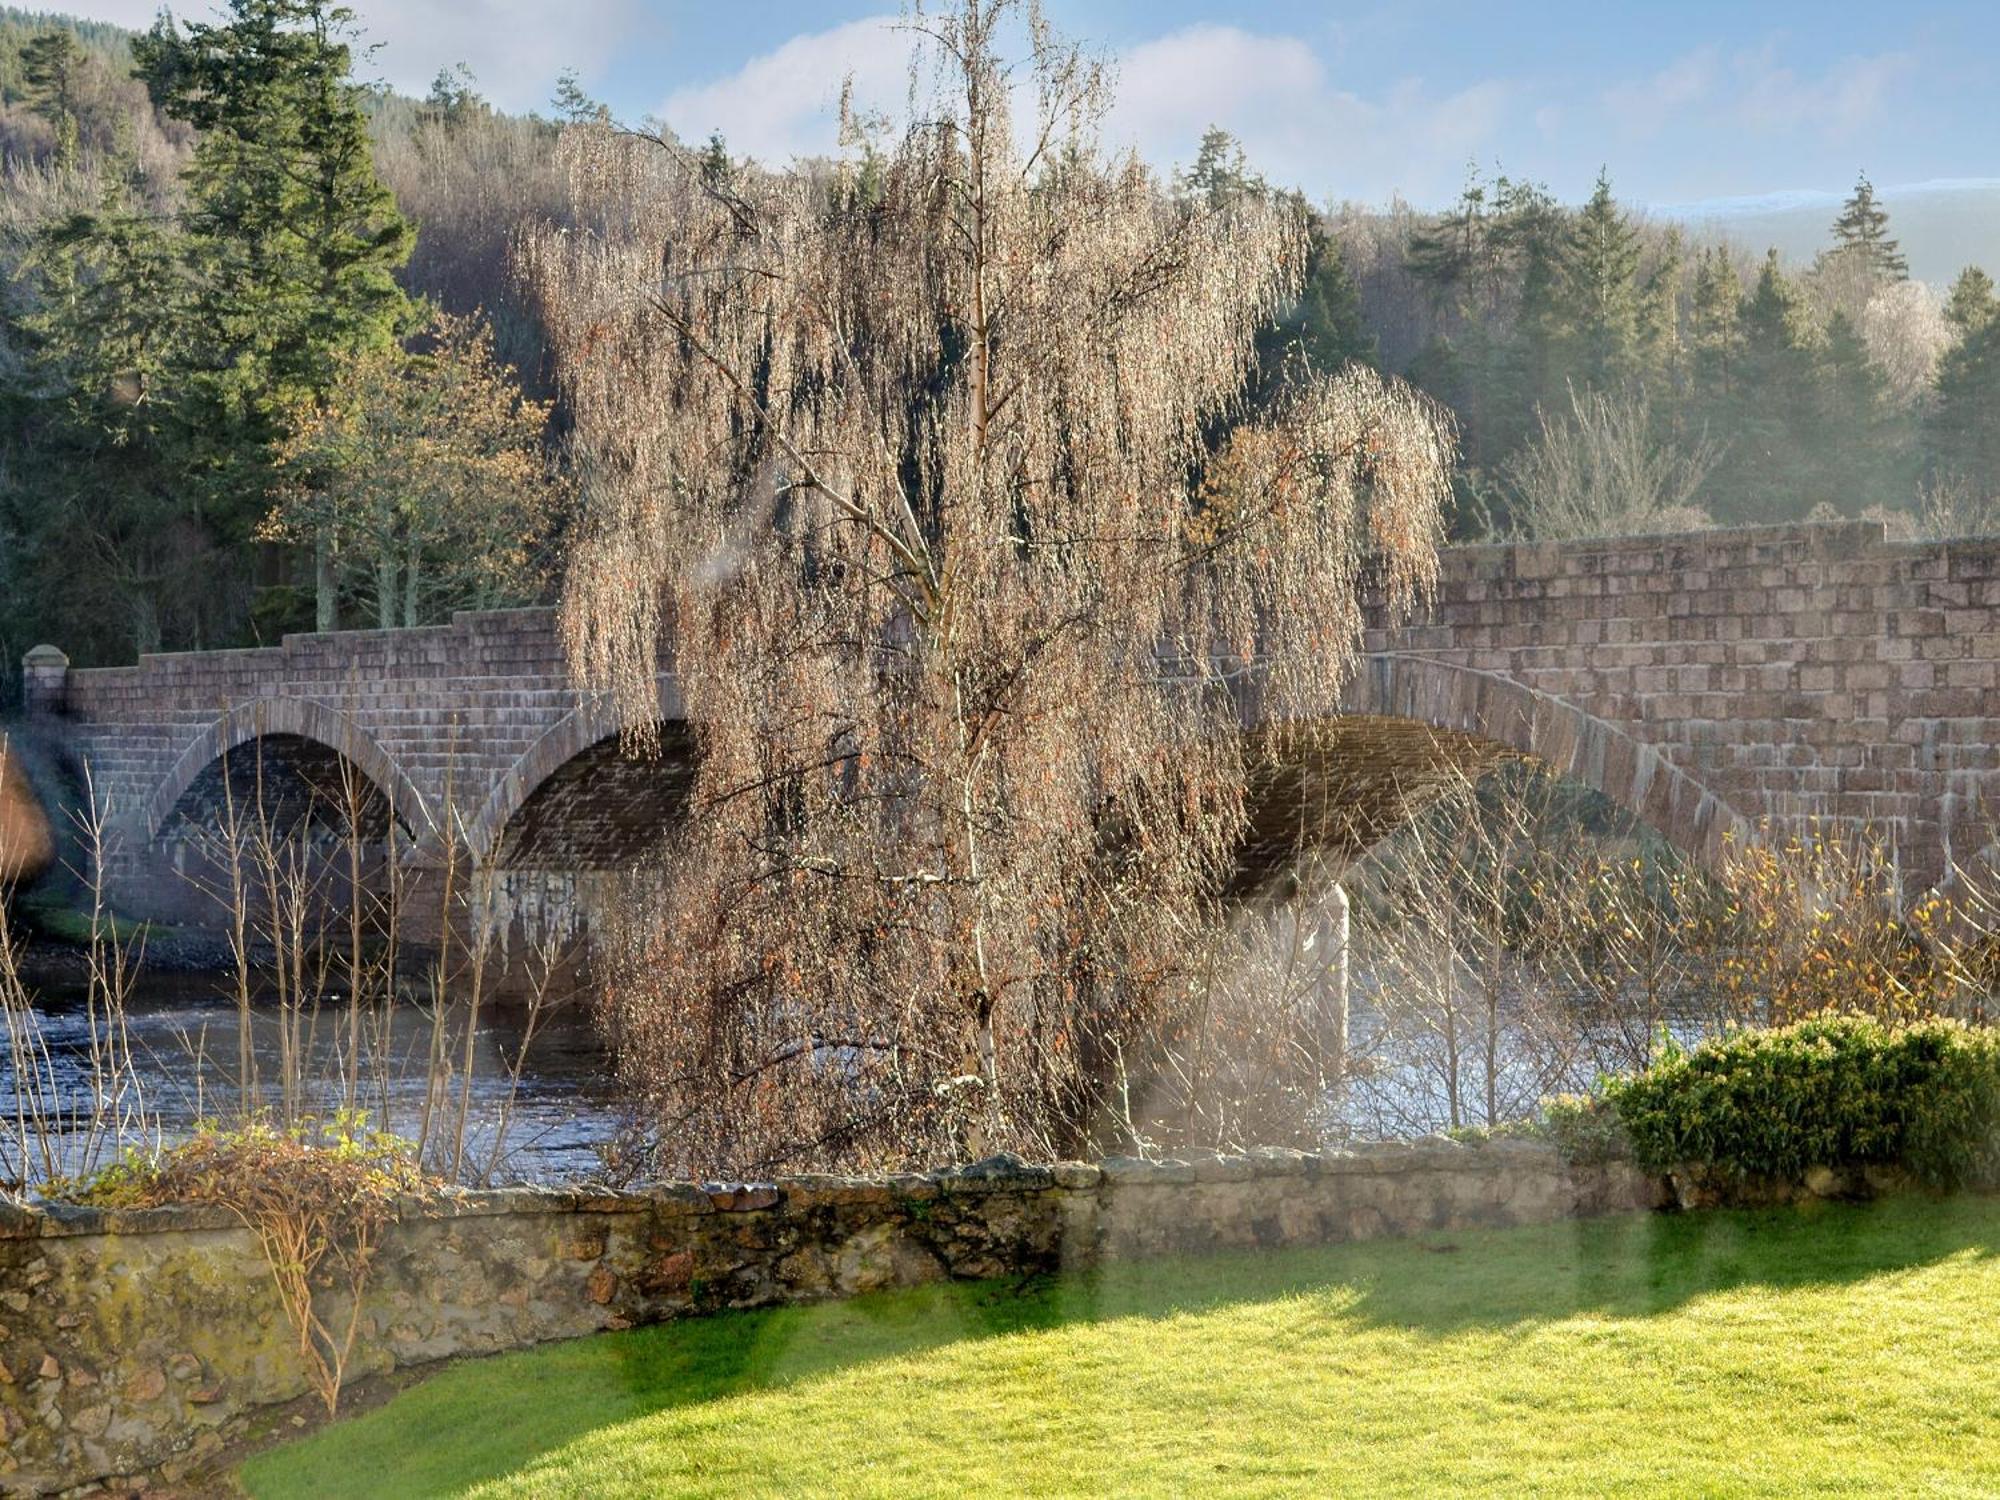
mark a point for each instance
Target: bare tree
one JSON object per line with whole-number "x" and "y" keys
{"x": 1600, "y": 470}
{"x": 917, "y": 460}
{"x": 1907, "y": 333}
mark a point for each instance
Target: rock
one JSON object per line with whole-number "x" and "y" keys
{"x": 1824, "y": 1182}
{"x": 671, "y": 1273}
{"x": 586, "y": 1246}
{"x": 50, "y": 1370}
{"x": 744, "y": 1197}
{"x": 602, "y": 1286}
{"x": 881, "y": 1257}
{"x": 148, "y": 1384}
{"x": 184, "y": 1367}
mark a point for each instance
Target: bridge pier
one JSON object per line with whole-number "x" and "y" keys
{"x": 44, "y": 682}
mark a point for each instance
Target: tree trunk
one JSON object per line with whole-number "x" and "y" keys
{"x": 326, "y": 603}
{"x": 385, "y": 587}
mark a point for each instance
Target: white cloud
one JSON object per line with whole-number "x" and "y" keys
{"x": 1647, "y": 106}
{"x": 1271, "y": 91}
{"x": 1297, "y": 125}
{"x": 1846, "y": 98}
{"x": 1753, "y": 90}
{"x": 514, "y": 47}
{"x": 785, "y": 103}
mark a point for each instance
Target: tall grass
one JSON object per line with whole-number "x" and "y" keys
{"x": 313, "y": 894}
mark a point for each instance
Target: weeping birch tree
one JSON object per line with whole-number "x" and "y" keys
{"x": 932, "y": 468}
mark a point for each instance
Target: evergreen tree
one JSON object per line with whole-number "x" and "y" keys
{"x": 1660, "y": 344}
{"x": 1964, "y": 429}
{"x": 1857, "y": 441}
{"x": 1714, "y": 329}
{"x": 1453, "y": 258}
{"x": 1972, "y": 303}
{"x": 294, "y": 239}
{"x": 51, "y": 67}
{"x": 1862, "y": 233}
{"x": 291, "y": 240}
{"x": 1528, "y": 369}
{"x": 1325, "y": 325}
{"x": 1220, "y": 172}
{"x": 1601, "y": 292}
{"x": 454, "y": 99}
{"x": 1766, "y": 472}
{"x": 121, "y": 561}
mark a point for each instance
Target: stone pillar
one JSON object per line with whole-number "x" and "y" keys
{"x": 44, "y": 681}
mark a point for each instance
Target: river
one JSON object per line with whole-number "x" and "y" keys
{"x": 183, "y": 1033}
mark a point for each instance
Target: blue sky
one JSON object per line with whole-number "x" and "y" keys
{"x": 1685, "y": 102}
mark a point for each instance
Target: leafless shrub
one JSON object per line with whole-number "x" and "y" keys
{"x": 51, "y": 1133}
{"x": 1514, "y": 943}
{"x": 313, "y": 904}
{"x": 1949, "y": 506}
{"x": 1601, "y": 470}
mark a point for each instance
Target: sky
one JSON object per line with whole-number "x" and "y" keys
{"x": 1685, "y": 103}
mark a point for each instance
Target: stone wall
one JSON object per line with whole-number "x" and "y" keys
{"x": 140, "y": 1343}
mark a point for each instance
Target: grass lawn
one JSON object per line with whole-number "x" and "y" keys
{"x": 1833, "y": 1350}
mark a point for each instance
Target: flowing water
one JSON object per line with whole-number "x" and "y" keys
{"x": 559, "y": 1113}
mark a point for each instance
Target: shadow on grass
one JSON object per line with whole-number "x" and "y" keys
{"x": 487, "y": 1418}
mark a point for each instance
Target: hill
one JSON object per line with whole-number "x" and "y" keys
{"x": 1944, "y": 226}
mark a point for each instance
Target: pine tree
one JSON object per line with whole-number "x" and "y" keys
{"x": 1767, "y": 472}
{"x": 1528, "y": 368}
{"x": 1964, "y": 428}
{"x": 295, "y": 239}
{"x": 1856, "y": 439}
{"x": 1862, "y": 233}
{"x": 1600, "y": 290}
{"x": 1220, "y": 173}
{"x": 51, "y": 67}
{"x": 1714, "y": 328}
{"x": 291, "y": 239}
{"x": 1972, "y": 303}
{"x": 1453, "y": 258}
{"x": 120, "y": 559}
{"x": 1325, "y": 325}
{"x": 1660, "y": 345}
{"x": 454, "y": 99}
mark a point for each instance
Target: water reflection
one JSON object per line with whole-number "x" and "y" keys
{"x": 183, "y": 1035}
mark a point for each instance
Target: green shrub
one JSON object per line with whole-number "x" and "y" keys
{"x": 1835, "y": 1091}
{"x": 1585, "y": 1128}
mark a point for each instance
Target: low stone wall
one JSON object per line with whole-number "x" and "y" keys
{"x": 135, "y": 1345}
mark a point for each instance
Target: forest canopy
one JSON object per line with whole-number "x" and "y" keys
{"x": 1606, "y": 371}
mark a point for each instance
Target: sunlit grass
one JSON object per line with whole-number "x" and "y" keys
{"x": 1840, "y": 1350}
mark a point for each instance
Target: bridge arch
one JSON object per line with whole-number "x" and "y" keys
{"x": 576, "y": 800}
{"x": 302, "y": 720}
{"x": 1406, "y": 721}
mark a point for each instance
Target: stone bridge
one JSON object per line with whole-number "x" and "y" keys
{"x": 1705, "y": 682}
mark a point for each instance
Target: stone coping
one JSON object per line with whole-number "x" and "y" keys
{"x": 1000, "y": 1174}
